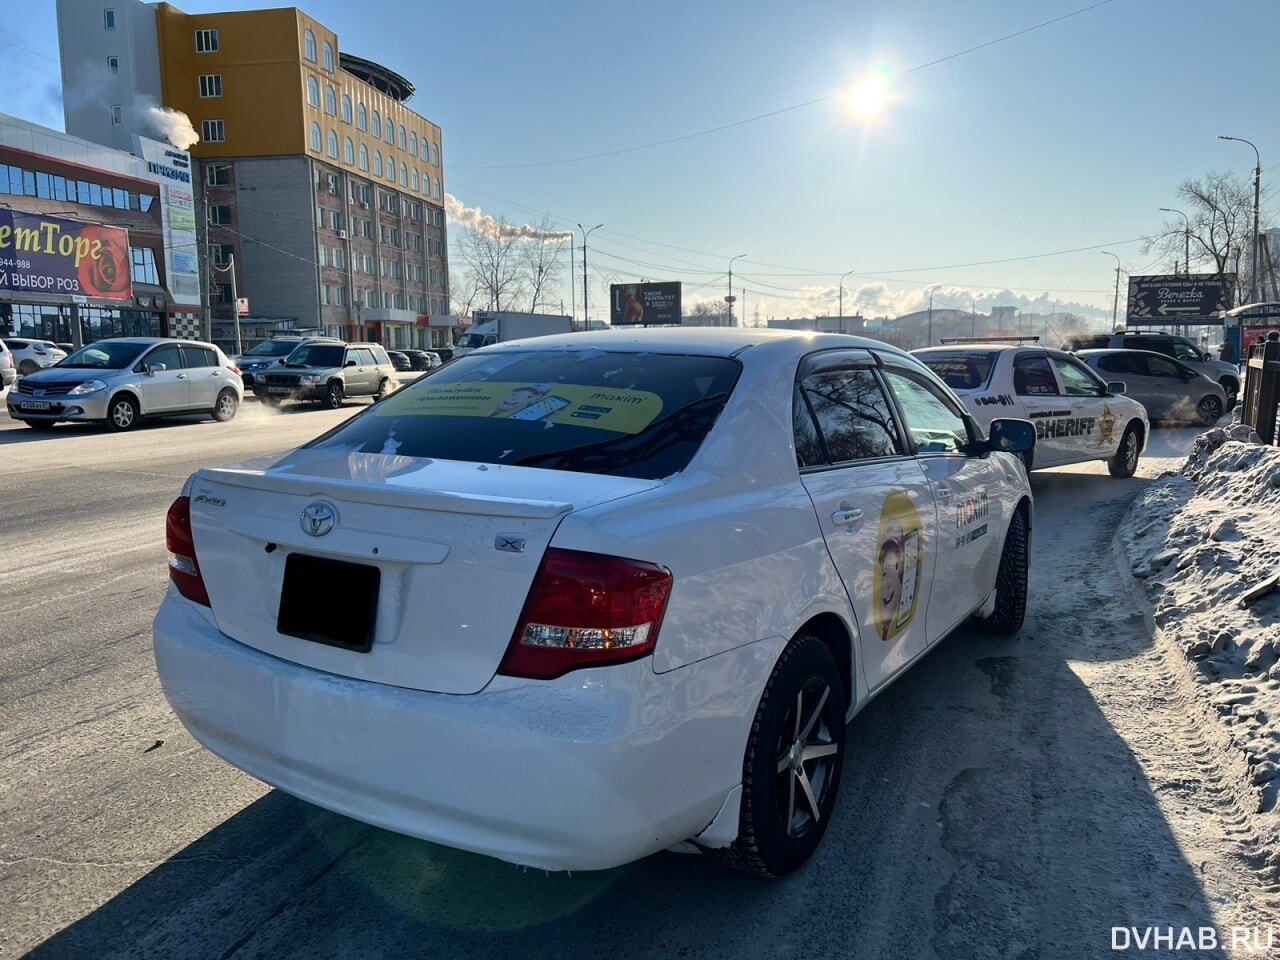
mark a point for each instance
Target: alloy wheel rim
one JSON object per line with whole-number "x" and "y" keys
{"x": 1131, "y": 451}
{"x": 122, "y": 414}
{"x": 1209, "y": 411}
{"x": 227, "y": 405}
{"x": 806, "y": 757}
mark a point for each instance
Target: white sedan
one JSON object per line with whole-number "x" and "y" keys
{"x": 574, "y": 600}
{"x": 1078, "y": 416}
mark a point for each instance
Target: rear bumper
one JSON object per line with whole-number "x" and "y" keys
{"x": 593, "y": 770}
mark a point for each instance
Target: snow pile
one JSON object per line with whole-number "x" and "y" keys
{"x": 1206, "y": 545}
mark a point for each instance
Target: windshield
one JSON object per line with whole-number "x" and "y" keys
{"x": 105, "y": 355}
{"x": 626, "y": 414}
{"x": 471, "y": 340}
{"x": 272, "y": 348}
{"x": 961, "y": 369}
{"x": 317, "y": 355}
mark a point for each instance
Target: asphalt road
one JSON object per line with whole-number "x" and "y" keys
{"x": 1008, "y": 798}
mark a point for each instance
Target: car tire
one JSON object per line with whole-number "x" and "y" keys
{"x": 27, "y": 367}
{"x": 1209, "y": 411}
{"x": 384, "y": 387}
{"x": 785, "y": 811}
{"x": 225, "y": 407}
{"x": 1232, "y": 389}
{"x": 122, "y": 413}
{"x": 1125, "y": 461}
{"x": 333, "y": 395}
{"x": 1011, "y": 581}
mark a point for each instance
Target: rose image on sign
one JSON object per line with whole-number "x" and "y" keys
{"x": 107, "y": 274}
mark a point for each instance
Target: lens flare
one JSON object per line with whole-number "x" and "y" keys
{"x": 867, "y": 97}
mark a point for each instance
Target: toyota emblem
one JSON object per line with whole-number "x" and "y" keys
{"x": 318, "y": 518}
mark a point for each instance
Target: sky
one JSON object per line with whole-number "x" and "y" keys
{"x": 1065, "y": 139}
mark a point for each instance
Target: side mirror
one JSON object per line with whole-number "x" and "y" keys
{"x": 1011, "y": 436}
{"x": 1116, "y": 387}
{"x": 154, "y": 368}
{"x": 349, "y": 363}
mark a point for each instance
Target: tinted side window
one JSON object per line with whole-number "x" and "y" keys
{"x": 199, "y": 356}
{"x": 1032, "y": 376}
{"x": 852, "y": 414}
{"x": 1160, "y": 367}
{"x": 1117, "y": 363}
{"x": 353, "y": 356}
{"x": 169, "y": 355}
{"x": 1184, "y": 351}
{"x": 933, "y": 425}
{"x": 808, "y": 446}
{"x": 1077, "y": 381}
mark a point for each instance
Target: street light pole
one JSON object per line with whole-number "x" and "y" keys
{"x": 586, "y": 316}
{"x": 842, "y": 276}
{"x": 730, "y": 298}
{"x": 1186, "y": 238}
{"x": 1257, "y": 188}
{"x": 235, "y": 302}
{"x": 1115, "y": 300}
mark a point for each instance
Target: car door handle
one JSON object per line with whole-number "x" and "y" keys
{"x": 182, "y": 376}
{"x": 846, "y": 518}
{"x": 942, "y": 493}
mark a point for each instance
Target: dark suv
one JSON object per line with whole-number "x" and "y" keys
{"x": 328, "y": 371}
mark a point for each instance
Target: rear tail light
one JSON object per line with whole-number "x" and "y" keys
{"x": 586, "y": 609}
{"x": 38, "y": 351}
{"x": 234, "y": 369}
{"x": 184, "y": 569}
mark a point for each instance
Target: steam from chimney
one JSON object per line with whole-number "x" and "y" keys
{"x": 169, "y": 124}
{"x": 476, "y": 220}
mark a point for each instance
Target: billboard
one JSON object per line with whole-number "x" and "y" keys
{"x": 1179, "y": 299}
{"x": 67, "y": 258}
{"x": 171, "y": 169}
{"x": 636, "y": 304}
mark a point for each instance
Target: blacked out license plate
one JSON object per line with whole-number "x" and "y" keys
{"x": 329, "y": 601}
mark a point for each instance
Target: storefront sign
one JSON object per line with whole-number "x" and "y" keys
{"x": 67, "y": 258}
{"x": 171, "y": 168}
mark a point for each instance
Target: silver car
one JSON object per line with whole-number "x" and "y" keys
{"x": 1168, "y": 389}
{"x": 122, "y": 380}
{"x": 8, "y": 369}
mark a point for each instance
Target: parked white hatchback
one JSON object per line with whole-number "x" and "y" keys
{"x": 122, "y": 380}
{"x": 1079, "y": 417}
{"x": 573, "y": 600}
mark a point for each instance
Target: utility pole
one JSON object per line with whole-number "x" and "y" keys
{"x": 1186, "y": 240}
{"x": 573, "y": 285}
{"x": 929, "y": 342}
{"x": 586, "y": 315}
{"x": 1115, "y": 301}
{"x": 845, "y": 274}
{"x": 1257, "y": 187}
{"x": 235, "y": 302}
{"x": 729, "y": 298}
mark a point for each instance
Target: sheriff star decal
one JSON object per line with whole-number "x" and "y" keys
{"x": 1106, "y": 426}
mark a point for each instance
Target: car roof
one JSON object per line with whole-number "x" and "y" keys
{"x": 987, "y": 347}
{"x": 1106, "y": 351}
{"x": 709, "y": 341}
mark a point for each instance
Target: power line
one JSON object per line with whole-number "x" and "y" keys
{"x": 781, "y": 110}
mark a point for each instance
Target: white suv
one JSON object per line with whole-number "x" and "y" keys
{"x": 32, "y": 355}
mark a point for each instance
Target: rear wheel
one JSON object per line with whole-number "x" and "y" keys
{"x": 122, "y": 413}
{"x": 1125, "y": 461}
{"x": 791, "y": 769}
{"x": 333, "y": 395}
{"x": 1232, "y": 389}
{"x": 1209, "y": 411}
{"x": 27, "y": 367}
{"x": 226, "y": 406}
{"x": 1011, "y": 581}
{"x": 384, "y": 387}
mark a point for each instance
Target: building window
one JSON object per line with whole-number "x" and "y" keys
{"x": 366, "y": 231}
{"x": 377, "y": 163}
{"x": 333, "y": 144}
{"x": 362, "y": 117}
{"x": 413, "y": 144}
{"x": 415, "y": 179}
{"x": 322, "y": 255}
{"x": 328, "y": 57}
{"x": 348, "y": 151}
{"x": 377, "y": 123}
{"x": 142, "y": 266}
{"x": 395, "y": 237}
{"x": 309, "y": 39}
{"x": 340, "y": 296}
{"x": 337, "y": 221}
{"x": 313, "y": 91}
{"x": 330, "y": 101}
{"x": 324, "y": 294}
{"x": 404, "y": 174}
{"x": 317, "y": 144}
{"x": 213, "y": 131}
{"x": 403, "y": 139}
{"x": 437, "y": 188}
{"x": 364, "y": 157}
{"x": 218, "y": 175}
{"x": 389, "y": 132}
{"x": 435, "y": 155}
{"x": 320, "y": 216}
{"x": 210, "y": 84}
{"x": 206, "y": 41}
{"x": 220, "y": 214}
{"x": 117, "y": 114}
{"x": 339, "y": 258}
{"x": 113, "y": 66}
{"x": 391, "y": 169}
{"x": 346, "y": 109}
{"x": 109, "y": 18}
{"x": 222, "y": 253}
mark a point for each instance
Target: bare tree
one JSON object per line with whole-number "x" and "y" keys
{"x": 542, "y": 255}
{"x": 492, "y": 261}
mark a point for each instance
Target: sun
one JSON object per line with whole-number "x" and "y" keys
{"x": 867, "y": 97}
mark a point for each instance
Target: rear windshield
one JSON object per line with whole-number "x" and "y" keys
{"x": 961, "y": 369}
{"x": 272, "y": 348}
{"x": 638, "y": 415}
{"x": 316, "y": 355}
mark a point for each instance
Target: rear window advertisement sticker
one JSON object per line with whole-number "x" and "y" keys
{"x": 604, "y": 408}
{"x": 899, "y": 564}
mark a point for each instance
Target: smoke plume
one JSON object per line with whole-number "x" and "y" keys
{"x": 476, "y": 220}
{"x": 167, "y": 123}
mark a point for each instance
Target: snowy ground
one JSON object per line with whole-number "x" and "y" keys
{"x": 1205, "y": 545}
